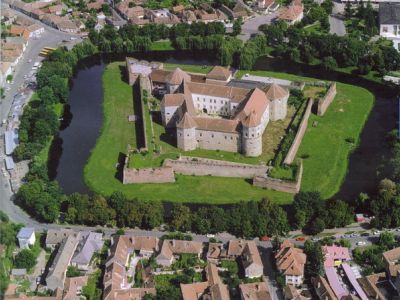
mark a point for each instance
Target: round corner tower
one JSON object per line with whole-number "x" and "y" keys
{"x": 251, "y": 137}
{"x": 278, "y": 97}
{"x": 186, "y": 133}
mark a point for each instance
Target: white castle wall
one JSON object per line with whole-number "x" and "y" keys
{"x": 213, "y": 104}
{"x": 213, "y": 140}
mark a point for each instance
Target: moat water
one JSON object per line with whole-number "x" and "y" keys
{"x": 83, "y": 119}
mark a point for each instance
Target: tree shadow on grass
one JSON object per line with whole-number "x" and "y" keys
{"x": 124, "y": 75}
{"x": 120, "y": 166}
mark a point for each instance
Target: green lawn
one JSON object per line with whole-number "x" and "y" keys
{"x": 325, "y": 145}
{"x": 161, "y": 46}
{"x": 117, "y": 132}
{"x": 189, "y": 68}
{"x": 326, "y": 167}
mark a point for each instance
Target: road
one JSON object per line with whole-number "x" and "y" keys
{"x": 336, "y": 23}
{"x": 250, "y": 26}
{"x": 50, "y": 38}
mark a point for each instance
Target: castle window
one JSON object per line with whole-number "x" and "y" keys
{"x": 180, "y": 134}
{"x": 222, "y": 102}
{"x": 187, "y": 134}
{"x": 252, "y": 135}
{"x": 212, "y": 135}
{"x": 226, "y": 137}
{"x": 231, "y": 138}
{"x": 198, "y": 98}
{"x": 246, "y": 135}
{"x": 201, "y": 134}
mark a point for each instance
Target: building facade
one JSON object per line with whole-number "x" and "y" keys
{"x": 389, "y": 23}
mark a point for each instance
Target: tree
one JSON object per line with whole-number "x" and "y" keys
{"x": 387, "y": 241}
{"x": 73, "y": 271}
{"x": 181, "y": 218}
{"x": 315, "y": 259}
{"x": 329, "y": 63}
{"x": 237, "y": 26}
{"x": 25, "y": 259}
{"x": 348, "y": 11}
{"x": 316, "y": 226}
{"x": 339, "y": 214}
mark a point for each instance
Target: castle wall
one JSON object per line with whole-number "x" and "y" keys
{"x": 286, "y": 186}
{"x": 148, "y": 175}
{"x": 214, "y": 140}
{"x": 213, "y": 104}
{"x": 186, "y": 138}
{"x": 299, "y": 135}
{"x": 252, "y": 140}
{"x": 279, "y": 109}
{"x": 324, "y": 103}
{"x": 206, "y": 167}
{"x": 169, "y": 115}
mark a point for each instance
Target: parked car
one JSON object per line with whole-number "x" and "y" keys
{"x": 361, "y": 243}
{"x": 209, "y": 235}
{"x": 264, "y": 238}
{"x": 300, "y": 238}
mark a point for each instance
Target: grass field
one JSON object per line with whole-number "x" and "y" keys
{"x": 161, "y": 46}
{"x": 117, "y": 132}
{"x": 325, "y": 144}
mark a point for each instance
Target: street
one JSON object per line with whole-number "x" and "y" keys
{"x": 336, "y": 23}
{"x": 250, "y": 26}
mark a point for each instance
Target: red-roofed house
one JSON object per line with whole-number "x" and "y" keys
{"x": 335, "y": 255}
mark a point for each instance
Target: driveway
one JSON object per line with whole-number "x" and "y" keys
{"x": 336, "y": 26}
{"x": 251, "y": 25}
{"x": 40, "y": 265}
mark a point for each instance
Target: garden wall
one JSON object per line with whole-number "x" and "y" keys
{"x": 324, "y": 103}
{"x": 286, "y": 186}
{"x": 299, "y": 135}
{"x": 209, "y": 167}
{"x": 143, "y": 85}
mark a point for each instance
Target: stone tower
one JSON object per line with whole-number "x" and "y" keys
{"x": 278, "y": 97}
{"x": 186, "y": 133}
{"x": 251, "y": 136}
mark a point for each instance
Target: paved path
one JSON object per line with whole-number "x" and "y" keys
{"x": 250, "y": 26}
{"x": 336, "y": 26}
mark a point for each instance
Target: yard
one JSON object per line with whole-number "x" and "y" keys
{"x": 325, "y": 146}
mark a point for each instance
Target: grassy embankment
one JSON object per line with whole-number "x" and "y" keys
{"x": 325, "y": 145}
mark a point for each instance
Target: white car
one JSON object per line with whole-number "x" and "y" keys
{"x": 209, "y": 235}
{"x": 376, "y": 232}
{"x": 361, "y": 243}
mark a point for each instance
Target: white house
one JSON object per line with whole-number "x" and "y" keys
{"x": 389, "y": 20}
{"x": 26, "y": 237}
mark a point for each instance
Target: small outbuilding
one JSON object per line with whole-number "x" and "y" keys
{"x": 26, "y": 237}
{"x": 360, "y": 218}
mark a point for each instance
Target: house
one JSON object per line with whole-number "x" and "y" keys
{"x": 90, "y": 244}
{"x": 215, "y": 251}
{"x": 8, "y": 17}
{"x": 389, "y": 22}
{"x": 391, "y": 260}
{"x": 55, "y": 236}
{"x": 56, "y": 276}
{"x": 293, "y": 13}
{"x": 26, "y": 237}
{"x": 250, "y": 257}
{"x": 73, "y": 287}
{"x": 335, "y": 255}
{"x": 290, "y": 261}
{"x": 323, "y": 289}
{"x": 115, "y": 280}
{"x": 254, "y": 291}
{"x": 15, "y": 42}
{"x": 267, "y": 5}
{"x": 56, "y": 9}
{"x": 236, "y": 12}
{"x": 170, "y": 248}
{"x": 35, "y": 30}
{"x": 213, "y": 288}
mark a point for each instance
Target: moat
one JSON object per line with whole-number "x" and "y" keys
{"x": 83, "y": 119}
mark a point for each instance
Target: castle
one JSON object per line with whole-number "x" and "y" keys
{"x": 213, "y": 111}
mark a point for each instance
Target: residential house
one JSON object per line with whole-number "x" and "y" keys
{"x": 8, "y": 17}
{"x": 335, "y": 255}
{"x": 212, "y": 289}
{"x": 55, "y": 236}
{"x": 239, "y": 10}
{"x": 19, "y": 31}
{"x": 188, "y": 16}
{"x": 68, "y": 26}
{"x": 391, "y": 259}
{"x": 266, "y": 5}
{"x": 170, "y": 248}
{"x": 35, "y": 30}
{"x": 73, "y": 287}
{"x": 90, "y": 244}
{"x": 323, "y": 289}
{"x": 26, "y": 237}
{"x": 293, "y": 13}
{"x": 11, "y": 56}
{"x": 162, "y": 16}
{"x": 389, "y": 22}
{"x": 250, "y": 257}
{"x": 56, "y": 9}
{"x": 210, "y": 15}
{"x": 96, "y": 5}
{"x": 254, "y": 291}
{"x": 215, "y": 251}
{"x": 290, "y": 262}
{"x": 115, "y": 280}
{"x": 15, "y": 42}
{"x": 372, "y": 286}
{"x": 56, "y": 276}
{"x": 18, "y": 273}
